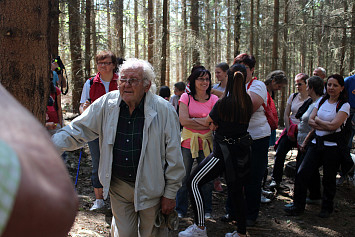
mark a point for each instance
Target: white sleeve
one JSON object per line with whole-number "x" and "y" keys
{"x": 259, "y": 88}
{"x": 85, "y": 94}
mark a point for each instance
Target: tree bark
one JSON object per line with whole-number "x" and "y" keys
{"x": 150, "y": 31}
{"x": 136, "y": 39}
{"x": 343, "y": 42}
{"x": 54, "y": 24}
{"x": 275, "y": 39}
{"x": 88, "y": 39}
{"x": 195, "y": 32}
{"x": 352, "y": 42}
{"x": 24, "y": 50}
{"x": 251, "y": 38}
{"x": 164, "y": 43}
{"x": 75, "y": 52}
{"x": 108, "y": 16}
{"x": 237, "y": 28}
{"x": 119, "y": 27}
{"x": 228, "y": 53}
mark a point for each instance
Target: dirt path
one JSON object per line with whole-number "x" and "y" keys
{"x": 271, "y": 222}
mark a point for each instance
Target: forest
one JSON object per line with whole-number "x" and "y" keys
{"x": 294, "y": 36}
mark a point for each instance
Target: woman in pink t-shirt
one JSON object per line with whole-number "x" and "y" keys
{"x": 196, "y": 143}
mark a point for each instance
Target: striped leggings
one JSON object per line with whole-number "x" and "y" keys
{"x": 209, "y": 169}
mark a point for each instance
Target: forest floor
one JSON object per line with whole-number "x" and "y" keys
{"x": 272, "y": 220}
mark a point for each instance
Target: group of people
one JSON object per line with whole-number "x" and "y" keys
{"x": 143, "y": 146}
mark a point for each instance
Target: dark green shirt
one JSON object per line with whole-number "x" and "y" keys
{"x": 128, "y": 142}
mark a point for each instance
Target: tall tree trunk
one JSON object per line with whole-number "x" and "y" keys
{"x": 87, "y": 39}
{"x": 164, "y": 42}
{"x": 257, "y": 36}
{"x": 108, "y": 16}
{"x": 237, "y": 28}
{"x": 24, "y": 50}
{"x": 75, "y": 52}
{"x": 93, "y": 31}
{"x": 284, "y": 62}
{"x": 207, "y": 45}
{"x": 275, "y": 40}
{"x": 119, "y": 27}
{"x": 150, "y": 31}
{"x": 194, "y": 18}
{"x": 145, "y": 30}
{"x": 136, "y": 43}
{"x": 54, "y": 23}
{"x": 343, "y": 42}
{"x": 228, "y": 43}
{"x": 352, "y": 42}
{"x": 184, "y": 43}
{"x": 251, "y": 38}
{"x": 217, "y": 51}
{"x": 168, "y": 46}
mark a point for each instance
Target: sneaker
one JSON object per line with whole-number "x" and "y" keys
{"x": 313, "y": 201}
{"x": 293, "y": 210}
{"x": 274, "y": 184}
{"x": 233, "y": 234}
{"x": 208, "y": 216}
{"x": 266, "y": 193}
{"x": 180, "y": 215}
{"x": 264, "y": 199}
{"x": 193, "y": 231}
{"x": 98, "y": 204}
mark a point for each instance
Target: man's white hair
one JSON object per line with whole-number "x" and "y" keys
{"x": 322, "y": 69}
{"x": 148, "y": 70}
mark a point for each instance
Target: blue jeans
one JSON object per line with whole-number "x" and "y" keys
{"x": 259, "y": 160}
{"x": 182, "y": 202}
{"x": 95, "y": 157}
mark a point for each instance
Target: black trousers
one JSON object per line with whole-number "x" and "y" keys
{"x": 209, "y": 169}
{"x": 284, "y": 146}
{"x": 329, "y": 157}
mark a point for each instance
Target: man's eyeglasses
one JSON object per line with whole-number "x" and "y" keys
{"x": 203, "y": 79}
{"x": 130, "y": 81}
{"x": 104, "y": 63}
{"x": 299, "y": 84}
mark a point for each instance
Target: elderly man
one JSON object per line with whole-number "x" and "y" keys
{"x": 141, "y": 163}
{"x": 320, "y": 72}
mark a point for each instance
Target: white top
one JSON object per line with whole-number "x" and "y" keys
{"x": 327, "y": 112}
{"x": 295, "y": 105}
{"x": 218, "y": 87}
{"x": 174, "y": 100}
{"x": 85, "y": 94}
{"x": 258, "y": 125}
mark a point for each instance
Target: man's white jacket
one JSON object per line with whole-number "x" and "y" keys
{"x": 160, "y": 169}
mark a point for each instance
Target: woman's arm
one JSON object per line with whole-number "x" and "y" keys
{"x": 312, "y": 121}
{"x": 186, "y": 121}
{"x": 334, "y": 124}
{"x": 287, "y": 116}
{"x": 256, "y": 99}
{"x": 217, "y": 92}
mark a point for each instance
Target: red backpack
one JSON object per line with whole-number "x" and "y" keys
{"x": 269, "y": 109}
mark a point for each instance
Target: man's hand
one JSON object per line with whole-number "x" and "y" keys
{"x": 167, "y": 205}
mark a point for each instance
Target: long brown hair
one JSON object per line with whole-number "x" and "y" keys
{"x": 236, "y": 105}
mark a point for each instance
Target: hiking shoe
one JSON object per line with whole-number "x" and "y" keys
{"x": 292, "y": 210}
{"x": 264, "y": 199}
{"x": 324, "y": 214}
{"x": 266, "y": 193}
{"x": 313, "y": 201}
{"x": 193, "y": 231}
{"x": 233, "y": 234}
{"x": 180, "y": 215}
{"x": 208, "y": 216}
{"x": 98, "y": 204}
{"x": 341, "y": 180}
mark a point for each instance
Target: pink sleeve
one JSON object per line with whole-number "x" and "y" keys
{"x": 214, "y": 99}
{"x": 184, "y": 99}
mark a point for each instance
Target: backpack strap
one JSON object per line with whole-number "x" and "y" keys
{"x": 294, "y": 96}
{"x": 251, "y": 81}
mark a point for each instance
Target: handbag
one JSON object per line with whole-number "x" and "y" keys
{"x": 271, "y": 113}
